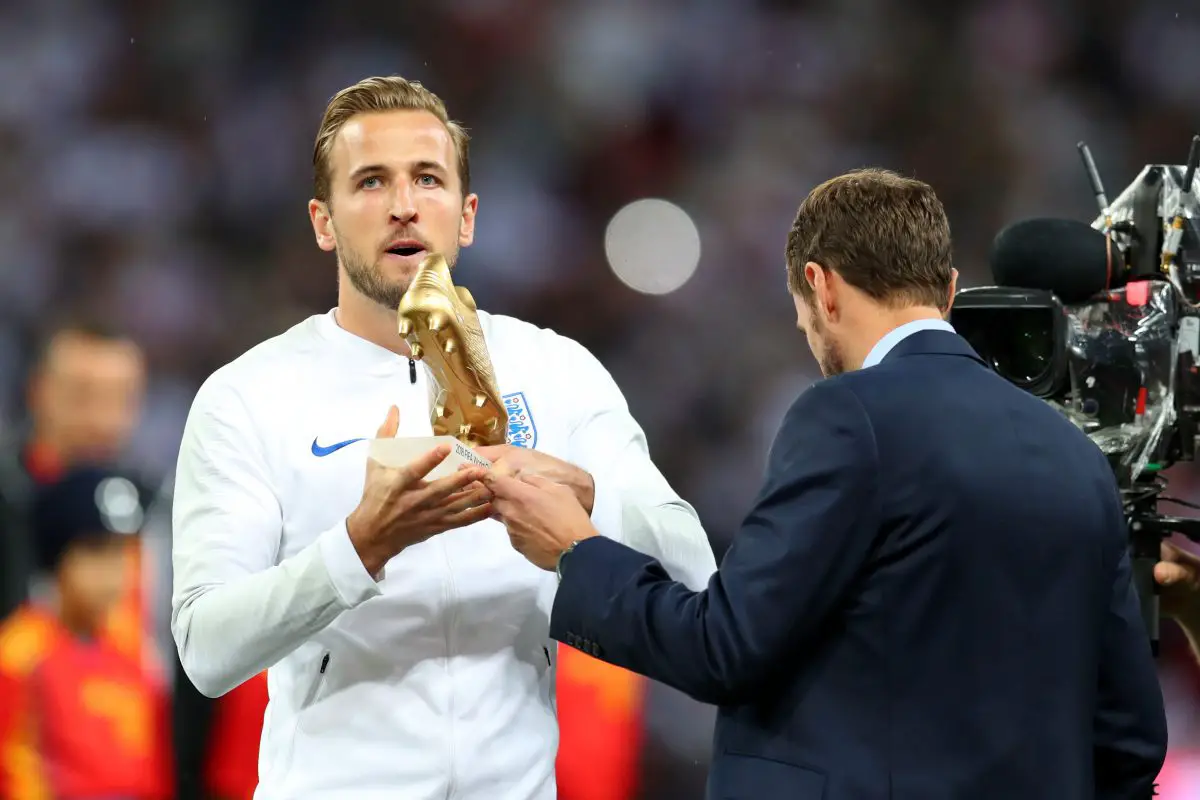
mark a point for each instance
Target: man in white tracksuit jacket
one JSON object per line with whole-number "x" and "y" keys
{"x": 408, "y": 653}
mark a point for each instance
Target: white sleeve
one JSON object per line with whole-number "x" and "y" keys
{"x": 633, "y": 504}
{"x": 234, "y": 610}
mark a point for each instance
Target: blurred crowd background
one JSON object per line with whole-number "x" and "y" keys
{"x": 158, "y": 161}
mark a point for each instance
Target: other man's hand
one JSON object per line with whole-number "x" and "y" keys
{"x": 399, "y": 508}
{"x": 543, "y": 517}
{"x": 519, "y": 461}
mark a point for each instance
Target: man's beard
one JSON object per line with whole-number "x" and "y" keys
{"x": 831, "y": 360}
{"x": 367, "y": 277}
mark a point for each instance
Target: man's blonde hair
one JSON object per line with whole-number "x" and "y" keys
{"x": 371, "y": 95}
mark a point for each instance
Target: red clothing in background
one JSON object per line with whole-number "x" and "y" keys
{"x": 231, "y": 766}
{"x": 78, "y": 719}
{"x": 601, "y": 730}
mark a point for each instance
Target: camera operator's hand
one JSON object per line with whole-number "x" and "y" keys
{"x": 399, "y": 508}
{"x": 1178, "y": 573}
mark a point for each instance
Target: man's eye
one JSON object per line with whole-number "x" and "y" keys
{"x": 428, "y": 180}
{"x": 372, "y": 182}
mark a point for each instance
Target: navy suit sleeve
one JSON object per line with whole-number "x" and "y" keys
{"x": 1130, "y": 728}
{"x": 807, "y": 537}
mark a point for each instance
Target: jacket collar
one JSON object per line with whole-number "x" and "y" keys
{"x": 933, "y": 343}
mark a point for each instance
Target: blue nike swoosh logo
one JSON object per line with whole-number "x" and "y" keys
{"x": 321, "y": 452}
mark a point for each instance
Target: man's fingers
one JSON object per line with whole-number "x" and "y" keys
{"x": 505, "y": 469}
{"x": 470, "y": 516}
{"x": 496, "y": 453}
{"x": 468, "y": 498}
{"x": 390, "y": 425}
{"x": 504, "y": 510}
{"x": 1168, "y": 574}
{"x": 505, "y": 486}
{"x": 471, "y": 488}
{"x": 422, "y": 465}
{"x": 437, "y": 491}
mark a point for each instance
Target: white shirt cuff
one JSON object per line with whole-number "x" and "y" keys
{"x": 607, "y": 512}
{"x": 346, "y": 571}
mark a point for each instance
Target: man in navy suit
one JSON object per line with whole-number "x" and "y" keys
{"x": 931, "y": 596}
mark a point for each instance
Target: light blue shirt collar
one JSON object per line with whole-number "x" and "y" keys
{"x": 896, "y": 335}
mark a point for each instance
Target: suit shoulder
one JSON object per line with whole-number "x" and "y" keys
{"x": 826, "y": 403}
{"x": 835, "y": 394}
{"x": 863, "y": 382}
{"x": 825, "y": 425}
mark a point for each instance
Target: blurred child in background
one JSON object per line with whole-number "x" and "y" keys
{"x": 80, "y": 717}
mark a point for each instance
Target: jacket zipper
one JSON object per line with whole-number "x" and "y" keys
{"x": 316, "y": 686}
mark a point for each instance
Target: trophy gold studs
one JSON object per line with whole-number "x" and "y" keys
{"x": 439, "y": 322}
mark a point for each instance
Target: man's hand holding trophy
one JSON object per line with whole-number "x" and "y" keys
{"x": 419, "y": 486}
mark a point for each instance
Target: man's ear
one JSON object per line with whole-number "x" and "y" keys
{"x": 953, "y": 291}
{"x": 824, "y": 285}
{"x": 814, "y": 274}
{"x": 322, "y": 224}
{"x": 466, "y": 228}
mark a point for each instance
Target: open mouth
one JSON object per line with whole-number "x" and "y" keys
{"x": 406, "y": 249}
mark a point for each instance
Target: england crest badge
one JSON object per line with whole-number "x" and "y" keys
{"x": 522, "y": 432}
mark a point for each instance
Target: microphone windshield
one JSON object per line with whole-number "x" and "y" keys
{"x": 1063, "y": 256}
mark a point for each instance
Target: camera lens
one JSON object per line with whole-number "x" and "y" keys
{"x": 1017, "y": 342}
{"x": 1019, "y": 333}
{"x": 1024, "y": 351}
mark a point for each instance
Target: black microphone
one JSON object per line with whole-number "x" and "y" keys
{"x": 1067, "y": 257}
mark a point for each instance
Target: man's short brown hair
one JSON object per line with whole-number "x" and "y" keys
{"x": 885, "y": 234}
{"x": 371, "y": 95}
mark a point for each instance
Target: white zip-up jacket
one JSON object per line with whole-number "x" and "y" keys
{"x": 437, "y": 680}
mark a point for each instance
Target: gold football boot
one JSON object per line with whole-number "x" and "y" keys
{"x": 439, "y": 322}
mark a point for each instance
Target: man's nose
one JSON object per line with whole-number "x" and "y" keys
{"x": 404, "y": 209}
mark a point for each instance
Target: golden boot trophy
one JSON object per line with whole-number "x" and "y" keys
{"x": 440, "y": 324}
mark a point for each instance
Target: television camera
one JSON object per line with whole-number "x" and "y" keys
{"x": 1102, "y": 321}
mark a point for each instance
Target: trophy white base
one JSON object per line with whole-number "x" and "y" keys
{"x": 401, "y": 450}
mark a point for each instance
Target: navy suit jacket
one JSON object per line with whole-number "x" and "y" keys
{"x": 930, "y": 599}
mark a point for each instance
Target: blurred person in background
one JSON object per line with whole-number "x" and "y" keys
{"x": 395, "y": 664}
{"x": 80, "y": 717}
{"x": 84, "y": 397}
{"x": 83, "y": 401}
{"x": 935, "y": 559}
